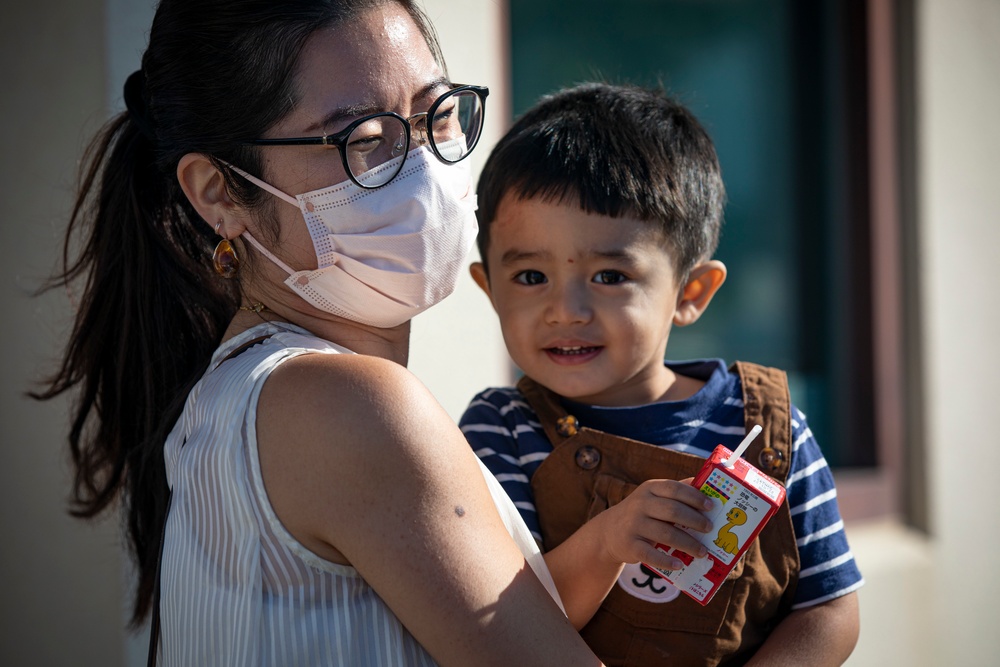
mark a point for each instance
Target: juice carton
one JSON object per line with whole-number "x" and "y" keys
{"x": 745, "y": 498}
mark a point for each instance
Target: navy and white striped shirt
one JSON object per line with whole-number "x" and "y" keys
{"x": 508, "y": 437}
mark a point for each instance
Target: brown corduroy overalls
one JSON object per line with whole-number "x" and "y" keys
{"x": 589, "y": 471}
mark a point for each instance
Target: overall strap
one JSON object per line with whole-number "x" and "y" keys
{"x": 559, "y": 425}
{"x": 766, "y": 402}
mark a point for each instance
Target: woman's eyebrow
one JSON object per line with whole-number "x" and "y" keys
{"x": 362, "y": 109}
{"x": 432, "y": 87}
{"x": 339, "y": 114}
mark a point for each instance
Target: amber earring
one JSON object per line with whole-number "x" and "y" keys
{"x": 224, "y": 258}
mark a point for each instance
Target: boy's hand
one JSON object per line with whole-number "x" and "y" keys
{"x": 587, "y": 564}
{"x": 654, "y": 513}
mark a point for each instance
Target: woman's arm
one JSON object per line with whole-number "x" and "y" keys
{"x": 361, "y": 464}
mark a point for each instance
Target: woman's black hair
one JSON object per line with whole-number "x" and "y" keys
{"x": 151, "y": 308}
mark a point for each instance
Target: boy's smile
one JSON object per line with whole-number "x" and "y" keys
{"x": 585, "y": 301}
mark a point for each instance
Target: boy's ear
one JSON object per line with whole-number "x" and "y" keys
{"x": 702, "y": 284}
{"x": 205, "y": 187}
{"x": 478, "y": 272}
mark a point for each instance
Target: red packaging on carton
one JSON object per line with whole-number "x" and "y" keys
{"x": 745, "y": 499}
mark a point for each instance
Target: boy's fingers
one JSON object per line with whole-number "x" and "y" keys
{"x": 679, "y": 490}
{"x": 672, "y": 512}
{"x": 672, "y": 536}
{"x": 652, "y": 556}
{"x": 655, "y": 532}
{"x": 678, "y": 503}
{"x": 656, "y": 558}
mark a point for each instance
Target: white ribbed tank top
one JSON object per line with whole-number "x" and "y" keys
{"x": 236, "y": 587}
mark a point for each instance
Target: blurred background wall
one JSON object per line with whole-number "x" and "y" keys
{"x": 916, "y": 105}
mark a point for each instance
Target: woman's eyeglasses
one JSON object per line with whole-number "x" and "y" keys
{"x": 451, "y": 127}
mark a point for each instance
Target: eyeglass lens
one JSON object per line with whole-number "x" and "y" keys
{"x": 373, "y": 143}
{"x": 453, "y": 132}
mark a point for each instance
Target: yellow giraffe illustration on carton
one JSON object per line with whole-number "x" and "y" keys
{"x": 726, "y": 540}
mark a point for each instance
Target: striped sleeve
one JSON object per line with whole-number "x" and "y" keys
{"x": 501, "y": 429}
{"x": 828, "y": 569}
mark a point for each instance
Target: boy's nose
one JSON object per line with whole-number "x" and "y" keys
{"x": 568, "y": 304}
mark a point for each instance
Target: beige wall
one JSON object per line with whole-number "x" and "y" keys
{"x": 456, "y": 348}
{"x": 928, "y": 599}
{"x": 61, "y": 601}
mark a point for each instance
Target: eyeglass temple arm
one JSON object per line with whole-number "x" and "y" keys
{"x": 297, "y": 141}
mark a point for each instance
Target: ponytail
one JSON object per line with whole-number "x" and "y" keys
{"x": 150, "y": 313}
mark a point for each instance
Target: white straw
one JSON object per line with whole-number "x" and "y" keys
{"x": 754, "y": 432}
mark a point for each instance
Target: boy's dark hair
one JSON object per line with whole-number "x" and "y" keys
{"x": 619, "y": 150}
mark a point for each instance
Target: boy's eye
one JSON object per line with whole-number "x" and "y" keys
{"x": 609, "y": 277}
{"x": 530, "y": 277}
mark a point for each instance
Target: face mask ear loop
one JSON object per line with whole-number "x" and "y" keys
{"x": 264, "y": 186}
{"x": 267, "y": 253}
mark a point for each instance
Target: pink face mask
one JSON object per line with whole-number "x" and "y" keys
{"x": 384, "y": 255}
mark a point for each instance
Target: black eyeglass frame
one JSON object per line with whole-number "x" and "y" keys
{"x": 339, "y": 140}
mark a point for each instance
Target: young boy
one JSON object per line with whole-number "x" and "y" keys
{"x": 599, "y": 213}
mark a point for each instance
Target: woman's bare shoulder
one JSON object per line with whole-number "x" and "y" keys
{"x": 347, "y": 394}
{"x": 351, "y": 443}
{"x": 337, "y": 436}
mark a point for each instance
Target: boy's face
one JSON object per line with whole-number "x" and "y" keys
{"x": 585, "y": 301}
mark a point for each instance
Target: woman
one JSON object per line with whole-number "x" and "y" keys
{"x": 251, "y": 406}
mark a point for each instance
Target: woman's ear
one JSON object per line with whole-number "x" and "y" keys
{"x": 205, "y": 187}
{"x": 478, "y": 271}
{"x": 703, "y": 282}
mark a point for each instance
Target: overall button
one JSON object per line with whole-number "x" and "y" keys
{"x": 771, "y": 460}
{"x": 567, "y": 426}
{"x": 588, "y": 457}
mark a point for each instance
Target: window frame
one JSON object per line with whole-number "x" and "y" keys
{"x": 894, "y": 487}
